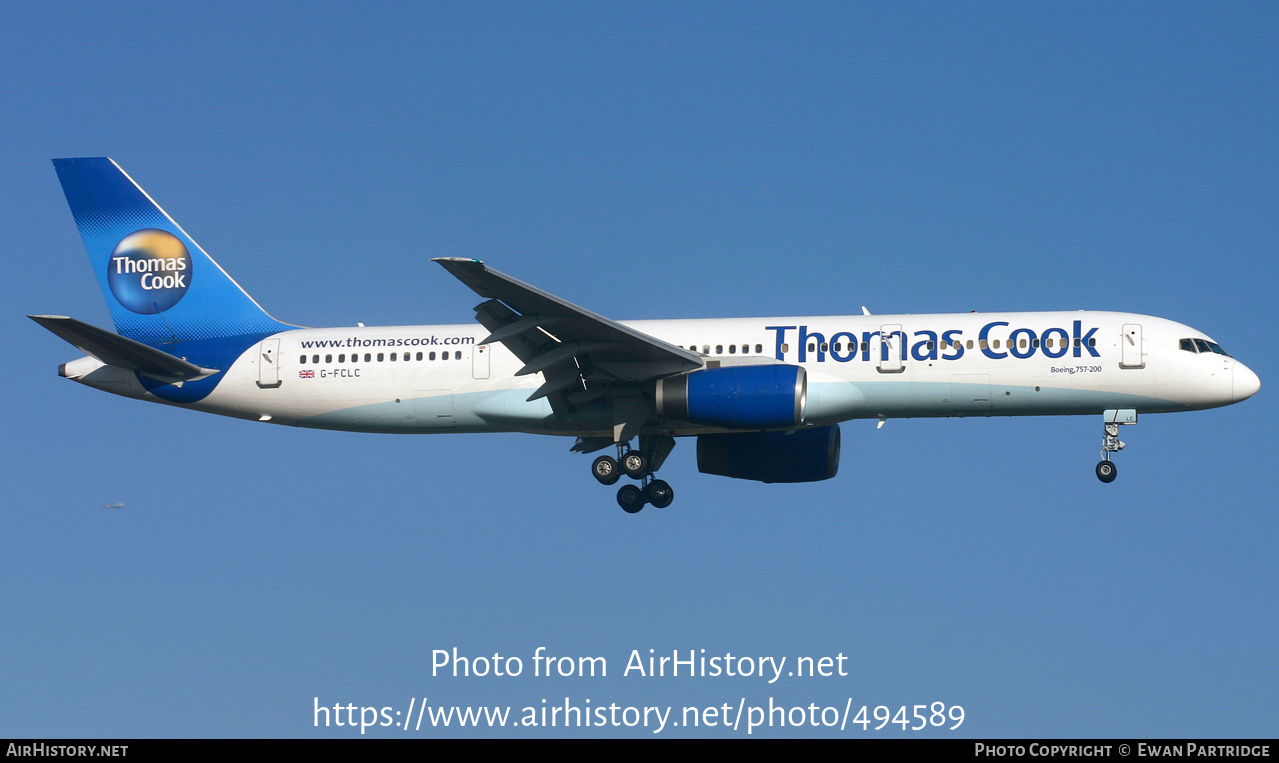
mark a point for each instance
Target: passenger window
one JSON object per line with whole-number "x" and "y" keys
{"x": 315, "y": 358}
{"x": 419, "y": 356}
{"x": 392, "y": 357}
{"x": 342, "y": 358}
{"x": 812, "y": 346}
{"x": 1092, "y": 342}
{"x": 996, "y": 344}
{"x": 732, "y": 349}
{"x": 824, "y": 346}
{"x": 759, "y": 349}
{"x": 379, "y": 357}
{"x": 930, "y": 344}
{"x": 719, "y": 349}
{"x": 432, "y": 356}
{"x": 785, "y": 347}
{"x": 983, "y": 343}
{"x": 970, "y": 344}
{"x": 303, "y": 359}
{"x": 1034, "y": 343}
{"x": 367, "y": 357}
{"x": 328, "y": 358}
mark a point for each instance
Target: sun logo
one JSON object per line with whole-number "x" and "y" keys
{"x": 149, "y": 271}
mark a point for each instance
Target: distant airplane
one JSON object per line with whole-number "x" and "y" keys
{"x": 113, "y": 505}
{"x": 763, "y": 396}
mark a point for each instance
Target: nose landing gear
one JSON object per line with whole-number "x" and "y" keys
{"x": 1110, "y": 443}
{"x": 1106, "y": 471}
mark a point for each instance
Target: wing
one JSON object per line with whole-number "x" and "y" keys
{"x": 583, "y": 356}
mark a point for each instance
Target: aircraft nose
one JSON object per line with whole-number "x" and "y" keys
{"x": 1246, "y": 383}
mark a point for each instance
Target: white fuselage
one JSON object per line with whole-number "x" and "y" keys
{"x": 423, "y": 379}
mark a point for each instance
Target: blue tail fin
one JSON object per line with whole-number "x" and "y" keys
{"x": 159, "y": 284}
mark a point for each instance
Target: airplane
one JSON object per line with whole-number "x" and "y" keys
{"x": 763, "y": 396}
{"x": 113, "y": 505}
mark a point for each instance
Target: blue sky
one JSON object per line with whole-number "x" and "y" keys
{"x": 647, "y": 161}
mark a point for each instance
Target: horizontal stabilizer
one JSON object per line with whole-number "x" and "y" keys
{"x": 122, "y": 352}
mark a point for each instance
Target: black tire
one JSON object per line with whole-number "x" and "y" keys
{"x": 659, "y": 493}
{"x": 630, "y": 498}
{"x": 1106, "y": 471}
{"x": 634, "y": 464}
{"x": 606, "y": 470}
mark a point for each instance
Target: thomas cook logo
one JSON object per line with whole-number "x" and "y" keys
{"x": 150, "y": 271}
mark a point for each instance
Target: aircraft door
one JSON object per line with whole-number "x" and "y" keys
{"x": 970, "y": 393}
{"x": 433, "y": 408}
{"x": 892, "y": 345}
{"x": 480, "y": 361}
{"x": 1131, "y": 347}
{"x": 269, "y": 364}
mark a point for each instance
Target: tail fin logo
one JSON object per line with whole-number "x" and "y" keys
{"x": 149, "y": 271}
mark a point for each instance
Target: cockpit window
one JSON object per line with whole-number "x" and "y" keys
{"x": 1202, "y": 346}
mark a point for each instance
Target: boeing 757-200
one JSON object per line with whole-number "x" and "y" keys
{"x": 763, "y": 396}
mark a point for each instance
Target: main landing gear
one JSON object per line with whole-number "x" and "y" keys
{"x": 638, "y": 465}
{"x": 1110, "y": 443}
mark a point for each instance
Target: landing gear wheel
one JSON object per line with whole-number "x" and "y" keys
{"x": 659, "y": 494}
{"x": 1106, "y": 471}
{"x": 606, "y": 470}
{"x": 630, "y": 498}
{"x": 634, "y": 464}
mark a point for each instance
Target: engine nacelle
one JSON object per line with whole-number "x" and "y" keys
{"x": 736, "y": 397}
{"x": 804, "y": 455}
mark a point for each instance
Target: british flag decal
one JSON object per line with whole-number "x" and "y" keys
{"x": 306, "y": 374}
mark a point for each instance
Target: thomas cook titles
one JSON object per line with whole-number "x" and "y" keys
{"x": 149, "y": 271}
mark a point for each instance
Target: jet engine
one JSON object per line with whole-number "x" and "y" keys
{"x": 802, "y": 455}
{"x": 736, "y": 397}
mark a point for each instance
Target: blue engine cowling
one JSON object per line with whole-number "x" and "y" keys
{"x": 804, "y": 455}
{"x": 737, "y": 397}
